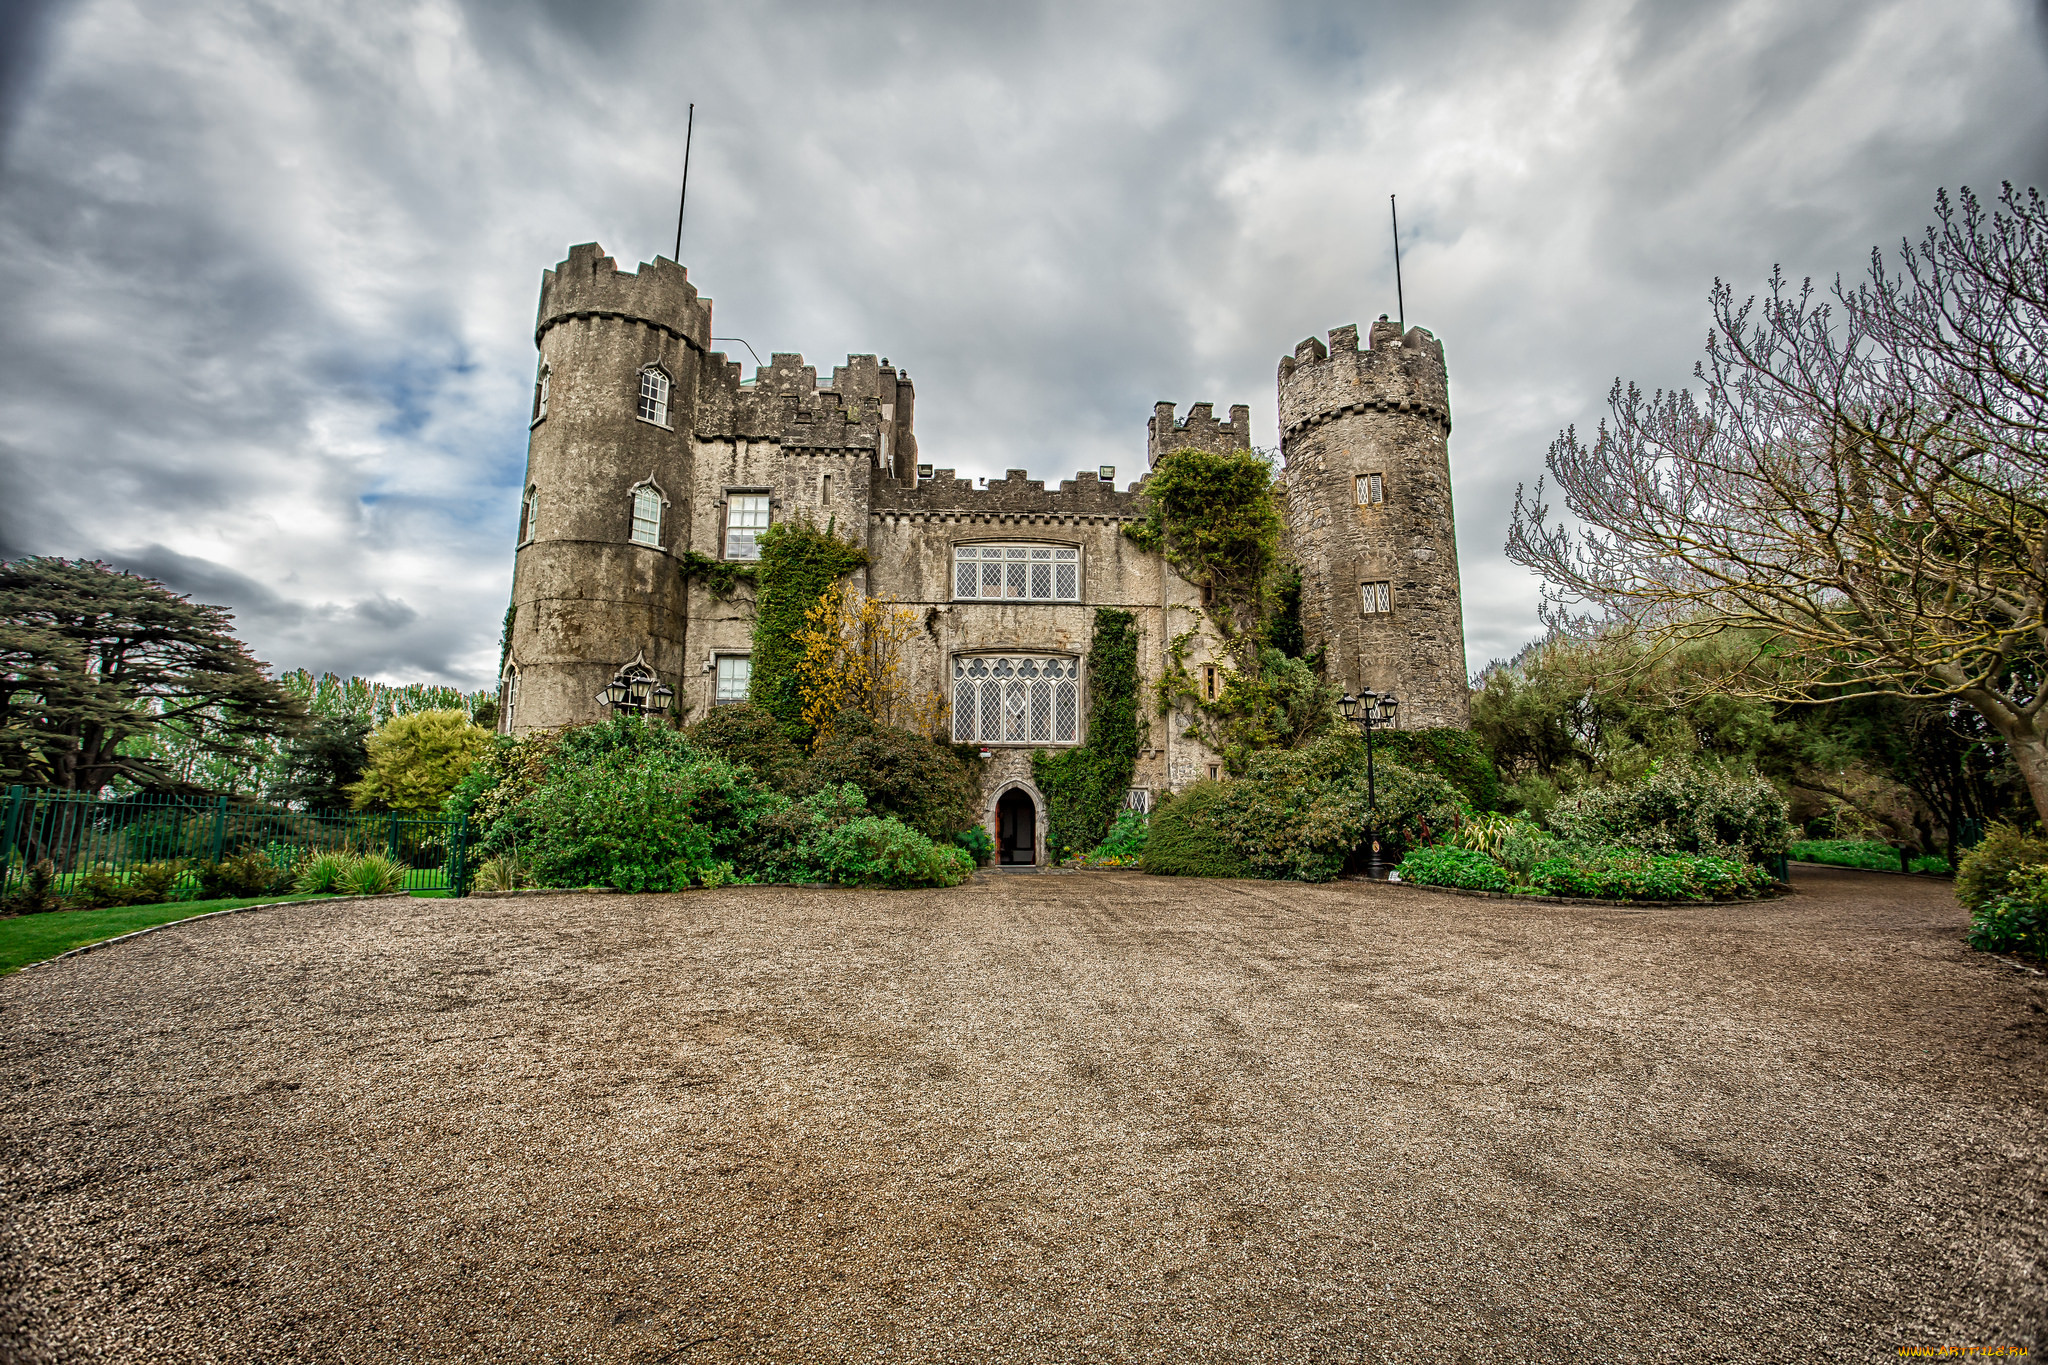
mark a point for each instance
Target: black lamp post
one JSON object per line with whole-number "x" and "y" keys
{"x": 1371, "y": 710}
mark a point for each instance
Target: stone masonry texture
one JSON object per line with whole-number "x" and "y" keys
{"x": 842, "y": 452}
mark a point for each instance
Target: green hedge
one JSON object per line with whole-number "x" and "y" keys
{"x": 1184, "y": 840}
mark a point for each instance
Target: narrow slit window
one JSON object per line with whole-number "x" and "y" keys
{"x": 746, "y": 517}
{"x": 1372, "y": 490}
{"x": 654, "y": 396}
{"x": 646, "y": 516}
{"x": 1212, "y": 682}
{"x": 529, "y": 513}
{"x": 735, "y": 674}
{"x": 540, "y": 393}
{"x": 1379, "y": 598}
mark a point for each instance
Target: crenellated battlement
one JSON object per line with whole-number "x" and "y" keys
{"x": 867, "y": 406}
{"x": 1016, "y": 494}
{"x": 589, "y": 284}
{"x": 1199, "y": 429}
{"x": 1392, "y": 373}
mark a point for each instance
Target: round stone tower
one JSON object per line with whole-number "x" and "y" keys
{"x": 1365, "y": 435}
{"x": 597, "y": 583}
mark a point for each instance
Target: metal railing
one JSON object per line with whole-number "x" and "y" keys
{"x": 77, "y": 832}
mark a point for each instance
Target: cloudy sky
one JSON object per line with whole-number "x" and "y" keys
{"x": 269, "y": 271}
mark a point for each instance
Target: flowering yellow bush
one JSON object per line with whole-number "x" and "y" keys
{"x": 850, "y": 658}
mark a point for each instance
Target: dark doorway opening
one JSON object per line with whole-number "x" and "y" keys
{"x": 1016, "y": 829}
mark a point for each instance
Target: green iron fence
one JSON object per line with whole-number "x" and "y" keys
{"x": 78, "y": 831}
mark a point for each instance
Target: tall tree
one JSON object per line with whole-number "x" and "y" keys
{"x": 1863, "y": 483}
{"x": 92, "y": 659}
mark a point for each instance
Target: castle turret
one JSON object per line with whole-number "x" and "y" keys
{"x": 597, "y": 581}
{"x": 1365, "y": 434}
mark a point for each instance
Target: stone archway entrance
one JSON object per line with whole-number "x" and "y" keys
{"x": 1016, "y": 829}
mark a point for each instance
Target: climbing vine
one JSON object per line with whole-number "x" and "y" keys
{"x": 798, "y": 564}
{"x": 1084, "y": 787}
{"x": 1217, "y": 521}
{"x": 722, "y": 576}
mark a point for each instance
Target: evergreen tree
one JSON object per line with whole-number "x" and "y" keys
{"x": 95, "y": 662}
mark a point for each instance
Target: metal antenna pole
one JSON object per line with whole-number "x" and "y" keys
{"x": 689, "y": 129}
{"x": 1400, "y": 302}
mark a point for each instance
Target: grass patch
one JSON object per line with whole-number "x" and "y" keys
{"x": 36, "y": 938}
{"x": 1869, "y": 854}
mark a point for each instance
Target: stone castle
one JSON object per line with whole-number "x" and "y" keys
{"x": 647, "y": 445}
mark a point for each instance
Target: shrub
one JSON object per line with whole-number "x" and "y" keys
{"x": 829, "y": 836}
{"x": 249, "y": 873}
{"x": 925, "y": 784}
{"x": 416, "y": 761}
{"x": 746, "y": 734}
{"x": 638, "y": 811}
{"x": 1442, "y": 865}
{"x": 974, "y": 839}
{"x": 321, "y": 874}
{"x": 1680, "y": 808}
{"x": 1185, "y": 841}
{"x": 371, "y": 874}
{"x": 1302, "y": 814}
{"x": 154, "y": 883}
{"x": 2015, "y": 921}
{"x": 1985, "y": 869}
{"x": 1631, "y": 874}
{"x": 96, "y": 888}
{"x": 497, "y": 874}
{"x": 35, "y": 892}
{"x": 1452, "y": 754}
{"x": 1124, "y": 846}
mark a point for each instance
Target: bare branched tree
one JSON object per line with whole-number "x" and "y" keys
{"x": 1863, "y": 480}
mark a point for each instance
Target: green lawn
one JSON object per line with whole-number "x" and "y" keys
{"x": 32, "y": 938}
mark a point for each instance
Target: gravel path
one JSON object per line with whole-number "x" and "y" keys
{"x": 1102, "y": 1117}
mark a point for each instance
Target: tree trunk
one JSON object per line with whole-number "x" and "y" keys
{"x": 2029, "y": 746}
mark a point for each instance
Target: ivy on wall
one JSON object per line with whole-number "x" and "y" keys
{"x": 798, "y": 563}
{"x": 722, "y": 576}
{"x": 1217, "y": 520}
{"x": 1084, "y": 787}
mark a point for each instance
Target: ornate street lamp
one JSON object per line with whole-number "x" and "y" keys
{"x": 1371, "y": 710}
{"x": 616, "y": 692}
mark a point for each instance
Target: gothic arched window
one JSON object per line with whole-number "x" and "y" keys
{"x": 654, "y": 396}
{"x": 529, "y": 513}
{"x": 647, "y": 505}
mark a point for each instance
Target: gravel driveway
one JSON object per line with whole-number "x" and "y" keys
{"x": 1093, "y": 1117}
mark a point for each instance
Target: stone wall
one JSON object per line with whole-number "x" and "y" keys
{"x": 1344, "y": 413}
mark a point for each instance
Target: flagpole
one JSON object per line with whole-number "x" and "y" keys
{"x": 689, "y": 129}
{"x": 1400, "y": 300}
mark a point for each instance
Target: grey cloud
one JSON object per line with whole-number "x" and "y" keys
{"x": 271, "y": 270}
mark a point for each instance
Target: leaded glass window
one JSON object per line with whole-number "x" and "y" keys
{"x": 654, "y": 396}
{"x": 746, "y": 517}
{"x": 735, "y": 675}
{"x": 1378, "y": 598}
{"x": 1016, "y": 699}
{"x": 1017, "y": 573}
{"x": 646, "y": 516}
